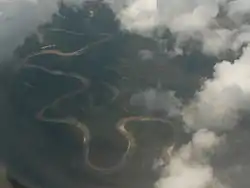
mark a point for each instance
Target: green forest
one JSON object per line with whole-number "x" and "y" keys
{"x": 91, "y": 68}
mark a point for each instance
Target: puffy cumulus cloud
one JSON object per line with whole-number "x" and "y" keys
{"x": 189, "y": 166}
{"x": 218, "y": 24}
{"x": 156, "y": 100}
{"x": 217, "y": 106}
{"x": 215, "y": 42}
{"x": 178, "y": 15}
{"x": 140, "y": 15}
{"x": 238, "y": 9}
{"x": 221, "y": 99}
{"x": 181, "y": 17}
{"x": 219, "y": 103}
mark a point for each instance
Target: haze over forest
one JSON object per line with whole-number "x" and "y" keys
{"x": 184, "y": 61}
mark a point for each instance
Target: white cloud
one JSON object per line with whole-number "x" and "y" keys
{"x": 140, "y": 15}
{"x": 238, "y": 9}
{"x": 196, "y": 19}
{"x": 189, "y": 166}
{"x": 155, "y": 100}
{"x": 218, "y": 104}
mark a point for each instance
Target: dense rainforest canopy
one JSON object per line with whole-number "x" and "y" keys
{"x": 88, "y": 41}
